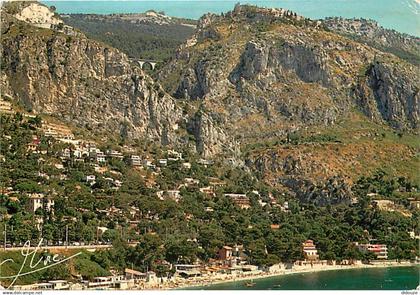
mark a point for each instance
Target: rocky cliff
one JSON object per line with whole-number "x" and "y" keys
{"x": 84, "y": 82}
{"x": 370, "y": 32}
{"x": 388, "y": 92}
{"x": 267, "y": 74}
{"x": 291, "y": 72}
{"x": 93, "y": 86}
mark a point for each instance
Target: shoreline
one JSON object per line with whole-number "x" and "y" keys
{"x": 219, "y": 280}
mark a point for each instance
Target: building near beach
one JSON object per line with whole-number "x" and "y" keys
{"x": 60, "y": 285}
{"x": 225, "y": 253}
{"x": 188, "y": 270}
{"x": 232, "y": 255}
{"x": 309, "y": 250}
{"x": 380, "y": 250}
{"x": 131, "y": 274}
{"x": 109, "y": 282}
{"x": 50, "y": 285}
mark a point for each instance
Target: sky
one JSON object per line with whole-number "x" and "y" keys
{"x": 401, "y": 15}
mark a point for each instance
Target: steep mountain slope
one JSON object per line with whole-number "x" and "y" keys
{"x": 147, "y": 35}
{"x": 267, "y": 75}
{"x": 306, "y": 109}
{"x": 283, "y": 68}
{"x": 369, "y": 32}
{"x": 84, "y": 82}
{"x": 91, "y": 85}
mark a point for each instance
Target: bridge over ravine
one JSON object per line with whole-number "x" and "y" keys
{"x": 142, "y": 62}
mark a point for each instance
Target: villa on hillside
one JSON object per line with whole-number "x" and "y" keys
{"x": 90, "y": 179}
{"x": 114, "y": 154}
{"x": 205, "y": 162}
{"x": 174, "y": 155}
{"x": 169, "y": 194}
{"x": 208, "y": 191}
{"x": 37, "y": 201}
{"x": 191, "y": 182}
{"x": 240, "y": 200}
{"x": 100, "y": 156}
{"x": 148, "y": 164}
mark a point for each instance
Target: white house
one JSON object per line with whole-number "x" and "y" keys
{"x": 186, "y": 165}
{"x": 135, "y": 160}
{"x": 90, "y": 178}
{"x": 174, "y": 155}
{"x": 100, "y": 156}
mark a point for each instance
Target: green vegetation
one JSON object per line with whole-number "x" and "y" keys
{"x": 13, "y": 7}
{"x": 181, "y": 232}
{"x": 139, "y": 40}
{"x": 293, "y": 138}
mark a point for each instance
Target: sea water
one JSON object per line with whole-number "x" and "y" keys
{"x": 387, "y": 278}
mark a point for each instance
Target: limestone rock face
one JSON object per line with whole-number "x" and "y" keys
{"x": 210, "y": 138}
{"x": 307, "y": 63}
{"x": 288, "y": 73}
{"x": 238, "y": 89}
{"x": 370, "y": 32}
{"x": 90, "y": 85}
{"x": 263, "y": 75}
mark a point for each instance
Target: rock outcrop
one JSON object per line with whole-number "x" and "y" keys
{"x": 265, "y": 74}
{"x": 289, "y": 71}
{"x": 370, "y": 32}
{"x": 210, "y": 138}
{"x": 87, "y": 84}
{"x": 388, "y": 93}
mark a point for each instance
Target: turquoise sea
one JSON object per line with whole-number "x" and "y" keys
{"x": 391, "y": 278}
{"x": 401, "y": 15}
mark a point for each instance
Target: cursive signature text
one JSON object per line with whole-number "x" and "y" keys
{"x": 31, "y": 262}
